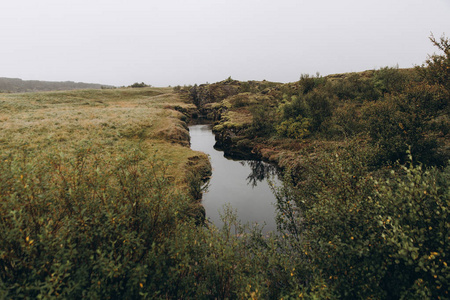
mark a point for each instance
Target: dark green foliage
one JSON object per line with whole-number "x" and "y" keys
{"x": 395, "y": 108}
{"x": 430, "y": 101}
{"x": 366, "y": 237}
{"x": 263, "y": 120}
{"x": 389, "y": 80}
{"x": 315, "y": 106}
{"x": 306, "y": 83}
{"x": 305, "y": 109}
{"x": 298, "y": 107}
{"x": 89, "y": 225}
{"x": 416, "y": 225}
{"x": 346, "y": 122}
{"x": 437, "y": 67}
{"x": 408, "y": 118}
{"x": 320, "y": 108}
{"x": 404, "y": 121}
{"x": 355, "y": 87}
{"x": 139, "y": 85}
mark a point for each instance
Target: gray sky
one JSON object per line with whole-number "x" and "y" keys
{"x": 173, "y": 42}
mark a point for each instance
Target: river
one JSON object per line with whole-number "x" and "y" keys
{"x": 240, "y": 183}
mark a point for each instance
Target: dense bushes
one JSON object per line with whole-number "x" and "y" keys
{"x": 390, "y": 80}
{"x": 407, "y": 118}
{"x": 368, "y": 237}
{"x": 393, "y": 108}
{"x": 82, "y": 224}
{"x": 436, "y": 70}
{"x": 263, "y": 120}
{"x": 393, "y": 130}
{"x": 332, "y": 106}
{"x": 304, "y": 114}
{"x": 297, "y": 128}
{"x": 86, "y": 224}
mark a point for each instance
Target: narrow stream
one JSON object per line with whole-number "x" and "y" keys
{"x": 241, "y": 183}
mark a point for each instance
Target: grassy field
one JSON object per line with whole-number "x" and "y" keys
{"x": 110, "y": 120}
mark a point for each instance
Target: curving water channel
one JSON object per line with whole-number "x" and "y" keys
{"x": 241, "y": 183}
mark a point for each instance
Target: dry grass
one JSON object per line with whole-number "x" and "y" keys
{"x": 107, "y": 119}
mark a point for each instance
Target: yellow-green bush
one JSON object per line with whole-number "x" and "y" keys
{"x": 294, "y": 128}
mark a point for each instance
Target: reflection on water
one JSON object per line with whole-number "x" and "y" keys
{"x": 260, "y": 171}
{"x": 243, "y": 184}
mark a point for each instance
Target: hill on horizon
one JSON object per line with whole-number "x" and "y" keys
{"x": 17, "y": 85}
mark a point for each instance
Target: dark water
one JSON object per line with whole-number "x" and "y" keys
{"x": 241, "y": 183}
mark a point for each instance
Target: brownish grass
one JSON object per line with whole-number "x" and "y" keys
{"x": 106, "y": 119}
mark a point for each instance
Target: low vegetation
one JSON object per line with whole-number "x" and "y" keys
{"x": 16, "y": 85}
{"x": 99, "y": 190}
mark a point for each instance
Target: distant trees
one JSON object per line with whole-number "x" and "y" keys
{"x": 15, "y": 85}
{"x": 139, "y": 85}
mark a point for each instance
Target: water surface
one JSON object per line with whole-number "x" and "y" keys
{"x": 241, "y": 183}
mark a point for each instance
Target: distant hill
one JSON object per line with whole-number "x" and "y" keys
{"x": 16, "y": 85}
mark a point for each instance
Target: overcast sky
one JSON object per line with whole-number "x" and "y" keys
{"x": 171, "y": 42}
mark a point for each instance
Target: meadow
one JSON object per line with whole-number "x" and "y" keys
{"x": 104, "y": 119}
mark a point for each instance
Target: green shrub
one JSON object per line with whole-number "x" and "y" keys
{"x": 362, "y": 237}
{"x": 306, "y": 83}
{"x": 436, "y": 69}
{"x": 83, "y": 224}
{"x": 233, "y": 262}
{"x": 345, "y": 122}
{"x": 354, "y": 87}
{"x": 316, "y": 106}
{"x": 294, "y": 128}
{"x": 239, "y": 100}
{"x": 403, "y": 121}
{"x": 415, "y": 224}
{"x": 297, "y": 107}
{"x": 263, "y": 120}
{"x": 389, "y": 80}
